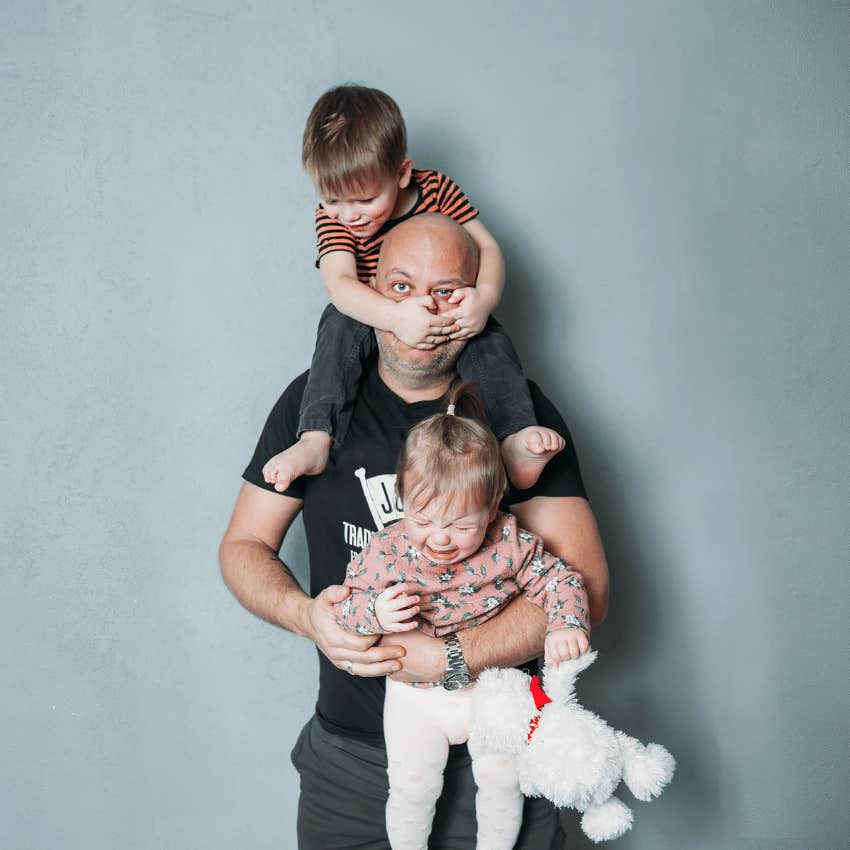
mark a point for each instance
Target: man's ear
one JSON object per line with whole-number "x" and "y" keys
{"x": 404, "y": 172}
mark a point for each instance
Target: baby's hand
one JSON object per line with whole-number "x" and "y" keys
{"x": 470, "y": 314}
{"x": 565, "y": 644}
{"x": 415, "y": 325}
{"x": 395, "y": 610}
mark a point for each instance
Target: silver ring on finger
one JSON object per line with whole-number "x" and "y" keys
{"x": 349, "y": 666}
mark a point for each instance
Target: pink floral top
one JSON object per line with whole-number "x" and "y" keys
{"x": 470, "y": 592}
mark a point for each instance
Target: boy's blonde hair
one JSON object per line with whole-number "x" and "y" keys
{"x": 453, "y": 457}
{"x": 354, "y": 135}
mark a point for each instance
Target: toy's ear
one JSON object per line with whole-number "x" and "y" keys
{"x": 559, "y": 681}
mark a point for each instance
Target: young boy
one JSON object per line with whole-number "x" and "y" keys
{"x": 355, "y": 150}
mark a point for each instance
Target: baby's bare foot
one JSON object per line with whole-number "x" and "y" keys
{"x": 527, "y": 452}
{"x": 307, "y": 457}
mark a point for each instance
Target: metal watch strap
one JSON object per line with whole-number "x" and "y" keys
{"x": 457, "y": 673}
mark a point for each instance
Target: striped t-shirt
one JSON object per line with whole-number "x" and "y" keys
{"x": 435, "y": 193}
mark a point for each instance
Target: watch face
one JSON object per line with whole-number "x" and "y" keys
{"x": 456, "y": 682}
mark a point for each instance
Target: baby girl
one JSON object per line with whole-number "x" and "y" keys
{"x": 453, "y": 562}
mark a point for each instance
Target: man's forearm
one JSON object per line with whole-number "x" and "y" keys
{"x": 514, "y": 636}
{"x": 264, "y": 584}
{"x": 569, "y": 531}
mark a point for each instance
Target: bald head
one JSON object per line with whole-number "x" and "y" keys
{"x": 424, "y": 259}
{"x": 431, "y": 236}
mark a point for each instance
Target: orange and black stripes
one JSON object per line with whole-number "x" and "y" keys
{"x": 436, "y": 193}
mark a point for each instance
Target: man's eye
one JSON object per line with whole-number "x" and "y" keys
{"x": 444, "y": 292}
{"x": 400, "y": 286}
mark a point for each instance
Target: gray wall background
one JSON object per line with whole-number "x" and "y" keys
{"x": 669, "y": 182}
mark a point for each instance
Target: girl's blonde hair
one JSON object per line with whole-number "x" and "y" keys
{"x": 453, "y": 457}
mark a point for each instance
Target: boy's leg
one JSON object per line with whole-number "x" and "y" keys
{"x": 341, "y": 347}
{"x": 342, "y": 344}
{"x": 490, "y": 360}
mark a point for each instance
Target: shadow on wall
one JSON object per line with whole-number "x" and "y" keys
{"x": 627, "y": 686}
{"x": 645, "y": 680}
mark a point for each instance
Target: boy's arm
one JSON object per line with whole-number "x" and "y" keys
{"x": 350, "y": 296}
{"x": 491, "y": 265}
{"x": 475, "y": 304}
{"x": 409, "y": 319}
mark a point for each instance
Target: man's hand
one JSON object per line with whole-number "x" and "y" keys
{"x": 470, "y": 314}
{"x": 355, "y": 654}
{"x": 415, "y": 325}
{"x": 395, "y": 610}
{"x": 424, "y": 659}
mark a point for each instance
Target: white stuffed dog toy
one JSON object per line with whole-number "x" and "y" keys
{"x": 564, "y": 752}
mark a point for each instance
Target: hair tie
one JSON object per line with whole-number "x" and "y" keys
{"x": 450, "y": 410}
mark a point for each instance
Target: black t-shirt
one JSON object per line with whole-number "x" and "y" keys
{"x": 355, "y": 496}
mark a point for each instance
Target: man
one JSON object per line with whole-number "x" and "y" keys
{"x": 340, "y": 754}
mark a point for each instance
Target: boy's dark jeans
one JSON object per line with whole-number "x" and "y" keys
{"x": 343, "y": 345}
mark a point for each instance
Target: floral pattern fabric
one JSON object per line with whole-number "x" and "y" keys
{"x": 456, "y": 596}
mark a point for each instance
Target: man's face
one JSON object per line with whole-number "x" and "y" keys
{"x": 416, "y": 264}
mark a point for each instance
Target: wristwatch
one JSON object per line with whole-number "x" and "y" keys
{"x": 457, "y": 673}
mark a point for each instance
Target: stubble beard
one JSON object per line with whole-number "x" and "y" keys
{"x": 418, "y": 373}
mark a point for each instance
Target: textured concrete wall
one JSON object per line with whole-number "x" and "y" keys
{"x": 669, "y": 182}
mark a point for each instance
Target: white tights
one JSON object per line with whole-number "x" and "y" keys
{"x": 419, "y": 726}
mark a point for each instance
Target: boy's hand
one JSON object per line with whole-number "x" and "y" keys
{"x": 471, "y": 312}
{"x": 395, "y": 610}
{"x": 415, "y": 325}
{"x": 565, "y": 644}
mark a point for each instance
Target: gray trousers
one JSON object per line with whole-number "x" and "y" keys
{"x": 344, "y": 794}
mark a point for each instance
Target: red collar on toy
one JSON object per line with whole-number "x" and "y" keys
{"x": 540, "y": 699}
